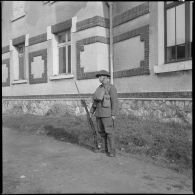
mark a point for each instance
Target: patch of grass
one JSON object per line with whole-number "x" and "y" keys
{"x": 168, "y": 141}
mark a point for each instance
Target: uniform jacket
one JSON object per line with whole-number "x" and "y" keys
{"x": 101, "y": 111}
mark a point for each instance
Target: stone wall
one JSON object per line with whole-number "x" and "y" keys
{"x": 163, "y": 110}
{"x": 156, "y": 109}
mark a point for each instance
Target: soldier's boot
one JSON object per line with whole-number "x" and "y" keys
{"x": 106, "y": 144}
{"x": 98, "y": 147}
{"x": 103, "y": 146}
{"x": 102, "y": 143}
{"x": 111, "y": 145}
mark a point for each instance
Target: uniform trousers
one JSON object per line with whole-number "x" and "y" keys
{"x": 105, "y": 126}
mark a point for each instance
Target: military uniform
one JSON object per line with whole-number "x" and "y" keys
{"x": 105, "y": 123}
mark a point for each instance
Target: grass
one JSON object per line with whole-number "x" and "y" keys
{"x": 168, "y": 144}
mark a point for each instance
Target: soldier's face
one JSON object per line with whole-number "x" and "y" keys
{"x": 103, "y": 79}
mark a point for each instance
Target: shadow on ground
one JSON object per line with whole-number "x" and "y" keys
{"x": 62, "y": 135}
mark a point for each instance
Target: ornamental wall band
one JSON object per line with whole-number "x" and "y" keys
{"x": 79, "y": 48}
{"x": 38, "y": 39}
{"x": 5, "y": 49}
{"x": 5, "y": 72}
{"x": 128, "y": 15}
{"x": 66, "y": 25}
{"x": 92, "y": 22}
{"x": 38, "y": 67}
{"x": 18, "y": 40}
{"x": 131, "y": 14}
{"x": 143, "y": 32}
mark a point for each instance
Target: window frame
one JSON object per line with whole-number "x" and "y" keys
{"x": 18, "y": 55}
{"x": 21, "y": 55}
{"x": 66, "y": 45}
{"x": 187, "y": 43}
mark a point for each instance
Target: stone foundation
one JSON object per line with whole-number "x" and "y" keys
{"x": 163, "y": 110}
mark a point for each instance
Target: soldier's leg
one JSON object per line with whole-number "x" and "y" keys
{"x": 100, "y": 127}
{"x": 106, "y": 143}
{"x": 111, "y": 144}
{"x": 101, "y": 132}
{"x": 110, "y": 135}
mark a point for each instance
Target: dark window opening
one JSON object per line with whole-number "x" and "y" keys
{"x": 178, "y": 31}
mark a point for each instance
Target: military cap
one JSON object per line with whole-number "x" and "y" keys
{"x": 103, "y": 73}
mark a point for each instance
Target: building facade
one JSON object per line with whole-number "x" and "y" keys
{"x": 48, "y": 45}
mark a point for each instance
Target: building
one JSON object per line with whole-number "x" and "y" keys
{"x": 47, "y": 45}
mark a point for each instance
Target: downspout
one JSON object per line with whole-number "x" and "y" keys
{"x": 110, "y": 4}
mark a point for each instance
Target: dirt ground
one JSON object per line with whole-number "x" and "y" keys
{"x": 36, "y": 164}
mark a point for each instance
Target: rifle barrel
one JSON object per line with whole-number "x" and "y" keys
{"x": 90, "y": 121}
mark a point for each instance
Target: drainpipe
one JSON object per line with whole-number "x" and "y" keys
{"x": 110, "y": 4}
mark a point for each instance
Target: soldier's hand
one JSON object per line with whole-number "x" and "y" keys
{"x": 113, "y": 117}
{"x": 90, "y": 114}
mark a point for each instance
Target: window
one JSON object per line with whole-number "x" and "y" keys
{"x": 64, "y": 52}
{"x": 178, "y": 31}
{"x": 20, "y": 49}
{"x": 21, "y": 57}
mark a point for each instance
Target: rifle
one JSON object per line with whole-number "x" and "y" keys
{"x": 89, "y": 119}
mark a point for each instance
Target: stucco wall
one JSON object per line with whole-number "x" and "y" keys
{"x": 38, "y": 17}
{"x": 168, "y": 81}
{"x": 59, "y": 12}
{"x": 127, "y": 54}
{"x": 52, "y": 14}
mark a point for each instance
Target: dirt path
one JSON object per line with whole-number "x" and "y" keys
{"x": 37, "y": 164}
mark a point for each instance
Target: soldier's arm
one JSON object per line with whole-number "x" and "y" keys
{"x": 114, "y": 101}
{"x": 93, "y": 107}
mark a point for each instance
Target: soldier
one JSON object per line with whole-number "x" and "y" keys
{"x": 105, "y": 107}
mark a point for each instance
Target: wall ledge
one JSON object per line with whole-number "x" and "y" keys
{"x": 19, "y": 82}
{"x": 61, "y": 76}
{"x": 173, "y": 67}
{"x": 177, "y": 95}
